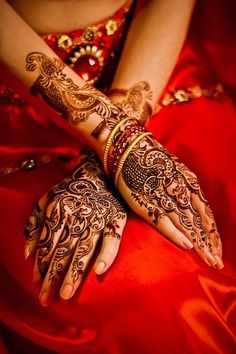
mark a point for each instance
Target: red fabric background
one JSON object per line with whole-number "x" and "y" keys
{"x": 156, "y": 298}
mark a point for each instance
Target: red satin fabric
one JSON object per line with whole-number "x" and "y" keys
{"x": 156, "y": 298}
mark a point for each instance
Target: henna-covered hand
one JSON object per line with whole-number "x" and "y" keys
{"x": 75, "y": 104}
{"x": 66, "y": 226}
{"x": 135, "y": 102}
{"x": 161, "y": 189}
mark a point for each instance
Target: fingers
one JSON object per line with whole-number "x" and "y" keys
{"x": 53, "y": 229}
{"x": 210, "y": 243}
{"x": 170, "y": 231}
{"x": 33, "y": 227}
{"x": 191, "y": 202}
{"x": 185, "y": 229}
{"x": 189, "y": 222}
{"x": 112, "y": 234}
{"x": 81, "y": 258}
{"x": 186, "y": 217}
{"x": 209, "y": 224}
{"x": 111, "y": 241}
{"x": 60, "y": 259}
{"x": 78, "y": 258}
{"x": 84, "y": 252}
{"x": 72, "y": 256}
{"x": 201, "y": 239}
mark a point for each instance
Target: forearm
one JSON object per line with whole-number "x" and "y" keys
{"x": 153, "y": 44}
{"x": 26, "y": 55}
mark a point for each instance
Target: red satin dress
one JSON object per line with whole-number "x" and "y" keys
{"x": 156, "y": 298}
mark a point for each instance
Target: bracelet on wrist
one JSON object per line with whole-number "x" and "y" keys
{"x": 122, "y": 139}
{"x": 126, "y": 154}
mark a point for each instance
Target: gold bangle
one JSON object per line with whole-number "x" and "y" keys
{"x": 109, "y": 143}
{"x": 126, "y": 154}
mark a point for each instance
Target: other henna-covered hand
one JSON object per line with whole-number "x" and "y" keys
{"x": 66, "y": 226}
{"x": 161, "y": 189}
{"x": 135, "y": 102}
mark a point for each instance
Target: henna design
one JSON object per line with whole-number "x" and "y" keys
{"x": 210, "y": 214}
{"x": 122, "y": 138}
{"x": 158, "y": 181}
{"x": 52, "y": 224}
{"x": 74, "y": 103}
{"x": 135, "y": 102}
{"x": 85, "y": 247}
{"x": 82, "y": 207}
{"x": 32, "y": 228}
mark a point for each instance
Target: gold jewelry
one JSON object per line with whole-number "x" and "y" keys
{"x": 126, "y": 154}
{"x": 109, "y": 143}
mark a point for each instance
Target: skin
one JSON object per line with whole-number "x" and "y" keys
{"x": 135, "y": 102}
{"x": 93, "y": 116}
{"x": 151, "y": 51}
{"x": 77, "y": 105}
{"x": 66, "y": 225}
{"x": 167, "y": 194}
{"x": 78, "y": 13}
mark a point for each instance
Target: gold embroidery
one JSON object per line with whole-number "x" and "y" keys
{"x": 111, "y": 27}
{"x": 185, "y": 95}
{"x": 64, "y": 41}
{"x": 89, "y": 34}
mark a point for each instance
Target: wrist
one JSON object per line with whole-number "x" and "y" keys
{"x": 122, "y": 139}
{"x": 136, "y": 102}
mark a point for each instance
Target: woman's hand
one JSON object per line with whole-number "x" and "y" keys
{"x": 135, "y": 102}
{"x": 66, "y": 226}
{"x": 161, "y": 189}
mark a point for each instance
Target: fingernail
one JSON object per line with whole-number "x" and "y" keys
{"x": 220, "y": 264}
{"x": 66, "y": 291}
{"x": 100, "y": 267}
{"x": 26, "y": 251}
{"x": 44, "y": 298}
{"x": 211, "y": 259}
{"x": 187, "y": 244}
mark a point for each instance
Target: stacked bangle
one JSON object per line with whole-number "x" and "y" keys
{"x": 109, "y": 143}
{"x": 126, "y": 154}
{"x": 121, "y": 141}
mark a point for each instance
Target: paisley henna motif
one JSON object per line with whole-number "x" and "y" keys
{"x": 74, "y": 103}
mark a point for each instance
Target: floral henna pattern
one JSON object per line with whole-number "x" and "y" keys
{"x": 74, "y": 103}
{"x": 85, "y": 247}
{"x": 82, "y": 207}
{"x": 135, "y": 102}
{"x": 31, "y": 231}
{"x": 159, "y": 182}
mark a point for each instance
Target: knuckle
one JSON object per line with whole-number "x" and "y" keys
{"x": 164, "y": 220}
{"x": 112, "y": 235}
